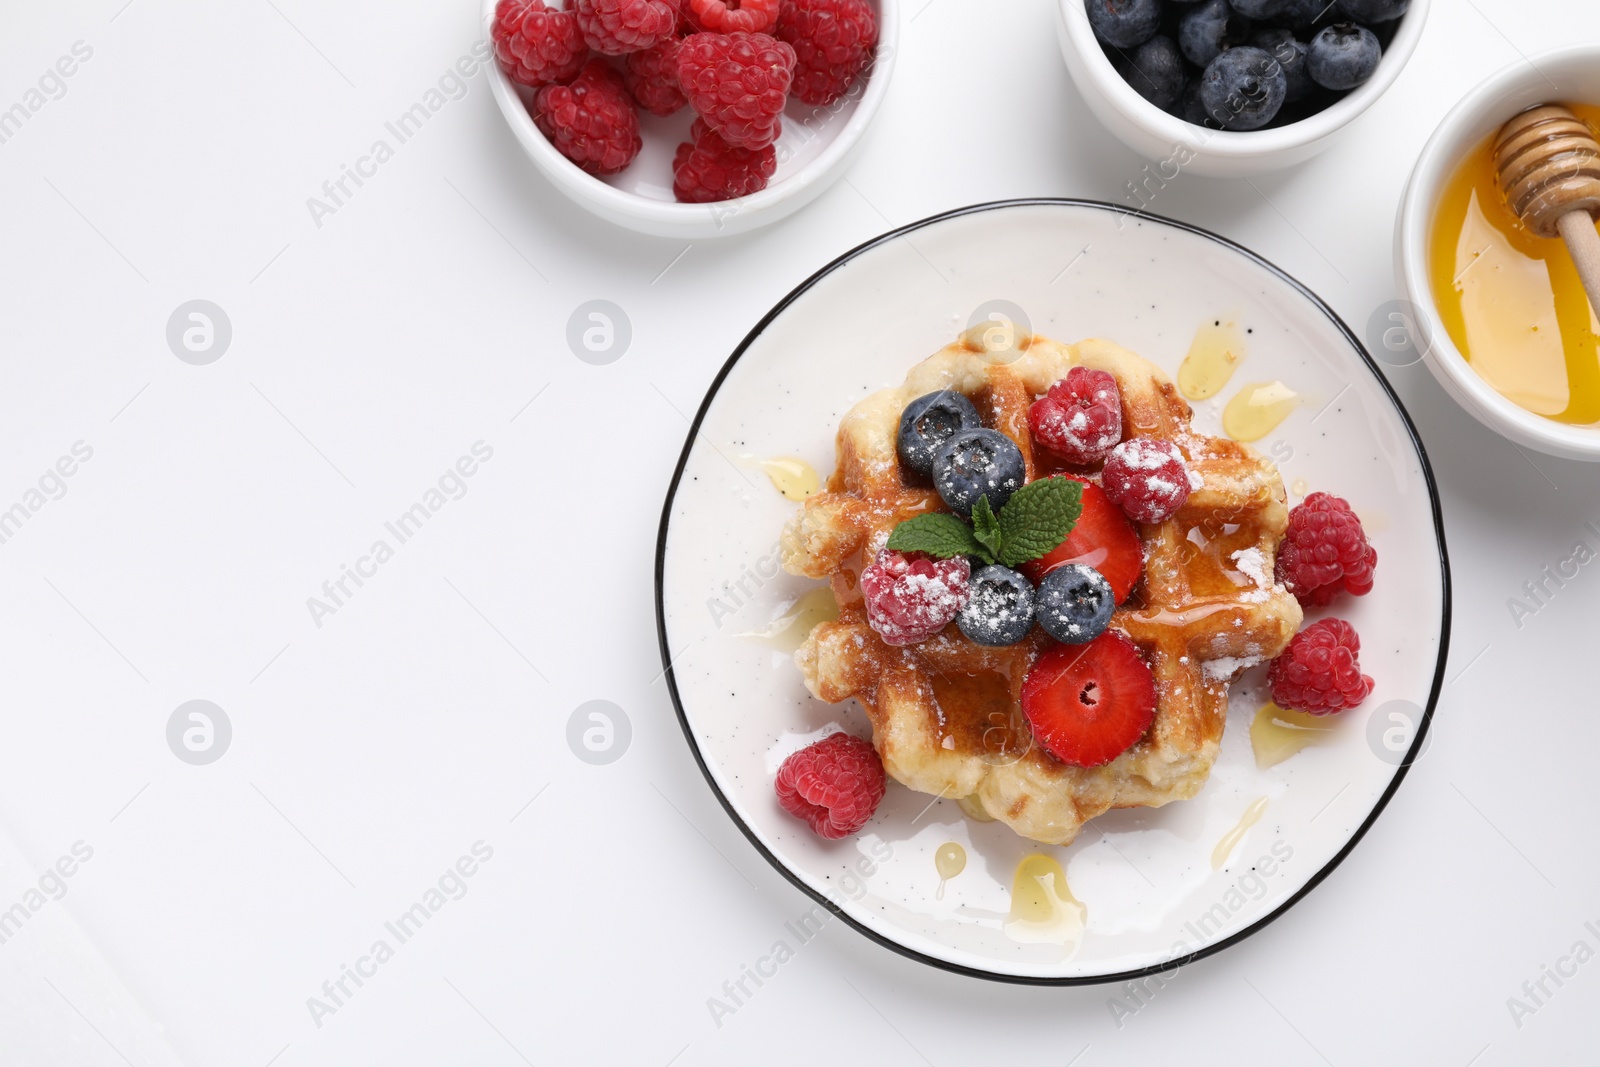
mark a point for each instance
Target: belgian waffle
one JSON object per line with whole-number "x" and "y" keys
{"x": 946, "y": 714}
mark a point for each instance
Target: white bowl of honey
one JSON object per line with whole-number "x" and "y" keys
{"x": 1501, "y": 318}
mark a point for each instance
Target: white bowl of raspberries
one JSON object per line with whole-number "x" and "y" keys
{"x": 1234, "y": 87}
{"x": 691, "y": 118}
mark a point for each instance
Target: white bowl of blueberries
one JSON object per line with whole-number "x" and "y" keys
{"x": 1234, "y": 87}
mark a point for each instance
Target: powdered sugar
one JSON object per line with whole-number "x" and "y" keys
{"x": 1225, "y": 667}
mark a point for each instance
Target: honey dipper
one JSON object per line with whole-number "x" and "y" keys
{"x": 1549, "y": 169}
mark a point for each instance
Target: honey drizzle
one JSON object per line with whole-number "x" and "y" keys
{"x": 1231, "y": 839}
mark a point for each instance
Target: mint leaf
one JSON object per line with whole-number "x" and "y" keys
{"x": 1037, "y": 518}
{"x": 940, "y": 535}
{"x": 986, "y": 528}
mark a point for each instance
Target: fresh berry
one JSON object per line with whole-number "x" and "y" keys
{"x": 731, "y": 16}
{"x": 1000, "y": 611}
{"x": 927, "y": 423}
{"x": 1124, "y": 23}
{"x": 592, "y": 121}
{"x": 1208, "y": 29}
{"x": 1075, "y": 604}
{"x": 710, "y": 170}
{"x": 1325, "y": 552}
{"x": 1146, "y": 478}
{"x": 537, "y": 45}
{"x": 652, "y": 78}
{"x": 1080, "y": 418}
{"x": 1290, "y": 52}
{"x": 1088, "y": 704}
{"x": 1320, "y": 670}
{"x": 617, "y": 27}
{"x": 911, "y": 597}
{"x": 1303, "y": 15}
{"x": 1342, "y": 56}
{"x": 1102, "y": 538}
{"x": 738, "y": 83}
{"x": 833, "y": 43}
{"x": 1370, "y": 11}
{"x": 1155, "y": 70}
{"x": 978, "y": 463}
{"x": 1243, "y": 88}
{"x": 834, "y": 785}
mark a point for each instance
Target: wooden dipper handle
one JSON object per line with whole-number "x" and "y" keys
{"x": 1549, "y": 169}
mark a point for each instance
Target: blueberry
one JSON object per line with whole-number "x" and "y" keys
{"x": 928, "y": 422}
{"x": 1000, "y": 610}
{"x": 1209, "y": 29}
{"x": 1243, "y": 88}
{"x": 978, "y": 463}
{"x": 1302, "y": 15}
{"x": 1370, "y": 11}
{"x": 1281, "y": 45}
{"x": 1124, "y": 23}
{"x": 1075, "y": 604}
{"x": 1342, "y": 56}
{"x": 1259, "y": 9}
{"x": 1155, "y": 70}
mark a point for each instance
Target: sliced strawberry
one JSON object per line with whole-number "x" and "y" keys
{"x": 1088, "y": 703}
{"x": 1103, "y": 538}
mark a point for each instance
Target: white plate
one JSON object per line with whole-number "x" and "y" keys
{"x": 1151, "y": 896}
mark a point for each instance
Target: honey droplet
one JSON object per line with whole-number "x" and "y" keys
{"x": 1300, "y": 487}
{"x": 974, "y": 809}
{"x": 794, "y": 478}
{"x": 1257, "y": 410}
{"x": 790, "y": 630}
{"x": 1276, "y": 733}
{"x": 1231, "y": 839}
{"x": 1043, "y": 909}
{"x": 1214, "y": 355}
{"x": 949, "y": 859}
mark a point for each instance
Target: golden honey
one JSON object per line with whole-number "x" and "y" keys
{"x": 1231, "y": 839}
{"x": 1512, "y": 302}
{"x": 1043, "y": 909}
{"x": 1214, "y": 355}
{"x": 1257, "y": 409}
{"x": 794, "y": 478}
{"x": 1276, "y": 733}
{"x": 949, "y": 859}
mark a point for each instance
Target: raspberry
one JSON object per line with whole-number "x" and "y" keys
{"x": 1320, "y": 671}
{"x": 652, "y": 77}
{"x": 732, "y": 16}
{"x": 537, "y": 45}
{"x": 834, "y": 785}
{"x": 1325, "y": 552}
{"x": 709, "y": 169}
{"x": 617, "y": 27}
{"x": 1080, "y": 419}
{"x": 591, "y": 122}
{"x": 738, "y": 82}
{"x": 1147, "y": 479}
{"x": 912, "y": 597}
{"x": 833, "y": 42}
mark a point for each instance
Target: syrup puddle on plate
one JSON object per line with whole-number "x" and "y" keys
{"x": 1043, "y": 909}
{"x": 1231, "y": 839}
{"x": 949, "y": 859}
{"x": 1215, "y": 353}
{"x": 1276, "y": 733}
{"x": 789, "y": 631}
{"x": 793, "y": 477}
{"x": 1257, "y": 410}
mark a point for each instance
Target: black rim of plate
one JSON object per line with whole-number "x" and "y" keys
{"x": 888, "y": 942}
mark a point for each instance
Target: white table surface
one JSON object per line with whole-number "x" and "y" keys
{"x": 370, "y": 752}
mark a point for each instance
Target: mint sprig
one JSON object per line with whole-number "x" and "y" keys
{"x": 939, "y": 534}
{"x": 1036, "y": 519}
